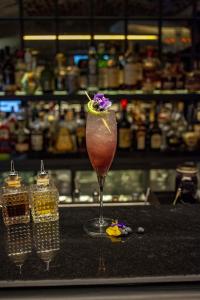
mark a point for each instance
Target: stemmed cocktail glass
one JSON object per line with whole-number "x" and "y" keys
{"x": 101, "y": 141}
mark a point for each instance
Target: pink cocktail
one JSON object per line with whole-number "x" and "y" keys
{"x": 101, "y": 141}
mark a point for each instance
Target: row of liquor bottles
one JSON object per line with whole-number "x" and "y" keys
{"x": 17, "y": 199}
{"x": 142, "y": 126}
{"x": 101, "y": 68}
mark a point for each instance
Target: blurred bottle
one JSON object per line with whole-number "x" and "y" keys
{"x": 155, "y": 134}
{"x": 47, "y": 79}
{"x": 113, "y": 70}
{"x": 20, "y": 68}
{"x": 102, "y": 67}
{"x": 8, "y": 71}
{"x": 133, "y": 72}
{"x": 150, "y": 71}
{"x": 92, "y": 68}
{"x": 81, "y": 130}
{"x": 73, "y": 76}
{"x": 60, "y": 72}
{"x": 22, "y": 136}
{"x": 124, "y": 128}
{"x": 65, "y": 137}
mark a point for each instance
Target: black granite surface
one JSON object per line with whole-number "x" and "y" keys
{"x": 170, "y": 246}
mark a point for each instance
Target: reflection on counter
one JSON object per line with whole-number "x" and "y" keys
{"x": 22, "y": 240}
{"x": 46, "y": 241}
{"x": 18, "y": 243}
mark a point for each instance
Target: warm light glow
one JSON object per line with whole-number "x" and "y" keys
{"x": 39, "y": 37}
{"x": 142, "y": 37}
{"x": 109, "y": 37}
{"x": 87, "y": 37}
{"x": 74, "y": 37}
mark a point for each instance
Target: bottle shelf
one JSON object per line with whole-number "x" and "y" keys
{"x": 116, "y": 95}
{"x": 122, "y": 161}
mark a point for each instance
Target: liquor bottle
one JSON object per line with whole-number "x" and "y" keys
{"x": 9, "y": 73}
{"x": 190, "y": 137}
{"x": 15, "y": 199}
{"x": 47, "y": 79}
{"x": 2, "y": 58}
{"x": 113, "y": 70}
{"x": 46, "y": 241}
{"x": 102, "y": 67}
{"x": 72, "y": 76}
{"x": 18, "y": 240}
{"x": 80, "y": 131}
{"x": 60, "y": 73}
{"x": 22, "y": 137}
{"x": 140, "y": 136}
{"x": 150, "y": 71}
{"x": 124, "y": 128}
{"x": 193, "y": 79}
{"x": 20, "y": 68}
{"x": 44, "y": 198}
{"x": 37, "y": 142}
{"x": 133, "y": 72}
{"x": 196, "y": 120}
{"x": 92, "y": 68}
{"x": 179, "y": 75}
{"x": 83, "y": 67}
{"x": 177, "y": 127}
{"x": 168, "y": 78}
{"x": 155, "y": 135}
{"x": 5, "y": 141}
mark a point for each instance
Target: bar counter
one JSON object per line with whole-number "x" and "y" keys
{"x": 167, "y": 251}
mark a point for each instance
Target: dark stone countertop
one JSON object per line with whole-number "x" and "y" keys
{"x": 169, "y": 250}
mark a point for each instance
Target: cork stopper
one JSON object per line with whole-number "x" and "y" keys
{"x": 13, "y": 179}
{"x": 43, "y": 176}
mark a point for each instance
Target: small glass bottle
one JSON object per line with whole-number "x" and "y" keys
{"x": 44, "y": 198}
{"x": 15, "y": 199}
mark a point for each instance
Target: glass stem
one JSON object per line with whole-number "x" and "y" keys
{"x": 101, "y": 180}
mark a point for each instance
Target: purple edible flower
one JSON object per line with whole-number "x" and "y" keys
{"x": 119, "y": 224}
{"x": 101, "y": 102}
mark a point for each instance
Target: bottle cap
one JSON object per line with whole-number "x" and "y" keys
{"x": 13, "y": 179}
{"x": 124, "y": 103}
{"x": 43, "y": 176}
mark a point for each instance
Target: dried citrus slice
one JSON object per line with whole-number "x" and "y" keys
{"x": 93, "y": 111}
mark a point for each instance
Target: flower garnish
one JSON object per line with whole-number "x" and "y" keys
{"x": 98, "y": 106}
{"x": 118, "y": 229}
{"x": 100, "y": 102}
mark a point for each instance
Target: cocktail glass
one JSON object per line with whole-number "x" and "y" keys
{"x": 101, "y": 141}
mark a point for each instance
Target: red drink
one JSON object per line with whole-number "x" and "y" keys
{"x": 101, "y": 140}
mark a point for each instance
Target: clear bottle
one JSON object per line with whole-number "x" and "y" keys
{"x": 15, "y": 199}
{"x": 44, "y": 198}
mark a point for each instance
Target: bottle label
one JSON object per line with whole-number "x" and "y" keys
{"x": 64, "y": 141}
{"x": 141, "y": 141}
{"x": 22, "y": 147}
{"x": 156, "y": 141}
{"x": 37, "y": 142}
{"x": 124, "y": 138}
{"x": 113, "y": 77}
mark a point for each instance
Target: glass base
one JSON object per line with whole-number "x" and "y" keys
{"x": 94, "y": 229}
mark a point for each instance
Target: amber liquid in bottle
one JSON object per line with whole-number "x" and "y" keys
{"x": 44, "y": 199}
{"x": 15, "y": 200}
